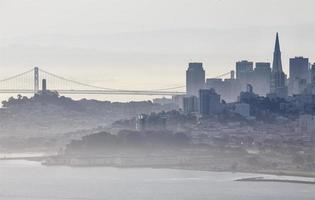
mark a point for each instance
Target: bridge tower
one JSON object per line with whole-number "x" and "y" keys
{"x": 36, "y": 80}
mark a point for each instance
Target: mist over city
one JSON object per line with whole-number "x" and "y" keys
{"x": 157, "y": 99}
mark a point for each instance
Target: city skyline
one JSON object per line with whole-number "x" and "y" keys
{"x": 116, "y": 49}
{"x": 157, "y": 99}
{"x": 245, "y": 74}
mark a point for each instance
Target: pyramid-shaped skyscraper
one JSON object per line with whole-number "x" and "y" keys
{"x": 278, "y": 79}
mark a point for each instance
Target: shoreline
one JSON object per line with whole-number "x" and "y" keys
{"x": 262, "y": 179}
{"x": 42, "y": 159}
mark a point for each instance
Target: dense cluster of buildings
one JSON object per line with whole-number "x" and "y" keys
{"x": 206, "y": 96}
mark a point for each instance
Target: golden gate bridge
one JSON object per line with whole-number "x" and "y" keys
{"x": 29, "y": 82}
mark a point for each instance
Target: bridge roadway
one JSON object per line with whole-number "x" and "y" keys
{"x": 101, "y": 92}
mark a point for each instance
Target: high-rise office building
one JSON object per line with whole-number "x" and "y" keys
{"x": 217, "y": 84}
{"x": 278, "y": 78}
{"x": 244, "y": 72}
{"x": 262, "y": 76}
{"x": 228, "y": 89}
{"x": 313, "y": 74}
{"x": 190, "y": 104}
{"x": 299, "y": 73}
{"x": 233, "y": 88}
{"x": 195, "y": 79}
{"x": 243, "y": 68}
{"x": 209, "y": 102}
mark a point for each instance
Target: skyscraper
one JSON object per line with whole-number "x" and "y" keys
{"x": 313, "y": 74}
{"x": 195, "y": 79}
{"x": 190, "y": 104}
{"x": 299, "y": 73}
{"x": 278, "y": 78}
{"x": 243, "y": 70}
{"x": 209, "y": 102}
{"x": 228, "y": 89}
{"x": 262, "y": 75}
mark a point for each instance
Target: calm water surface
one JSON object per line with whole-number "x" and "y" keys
{"x": 29, "y": 180}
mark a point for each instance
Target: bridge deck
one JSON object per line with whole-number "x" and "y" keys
{"x": 101, "y": 92}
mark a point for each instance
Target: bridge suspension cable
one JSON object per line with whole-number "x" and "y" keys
{"x": 80, "y": 83}
{"x": 171, "y": 88}
{"x": 24, "y": 83}
{"x": 16, "y": 76}
{"x": 223, "y": 75}
{"x": 183, "y": 86}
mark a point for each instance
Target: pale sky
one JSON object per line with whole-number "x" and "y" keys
{"x": 147, "y": 44}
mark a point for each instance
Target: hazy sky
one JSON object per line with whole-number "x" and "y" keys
{"x": 148, "y": 43}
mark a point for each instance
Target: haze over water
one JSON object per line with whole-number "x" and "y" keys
{"x": 53, "y": 147}
{"x": 22, "y": 180}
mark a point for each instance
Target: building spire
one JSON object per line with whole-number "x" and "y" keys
{"x": 277, "y": 62}
{"x": 277, "y": 45}
{"x": 278, "y": 85}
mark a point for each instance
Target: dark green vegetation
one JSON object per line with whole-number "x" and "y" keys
{"x": 127, "y": 142}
